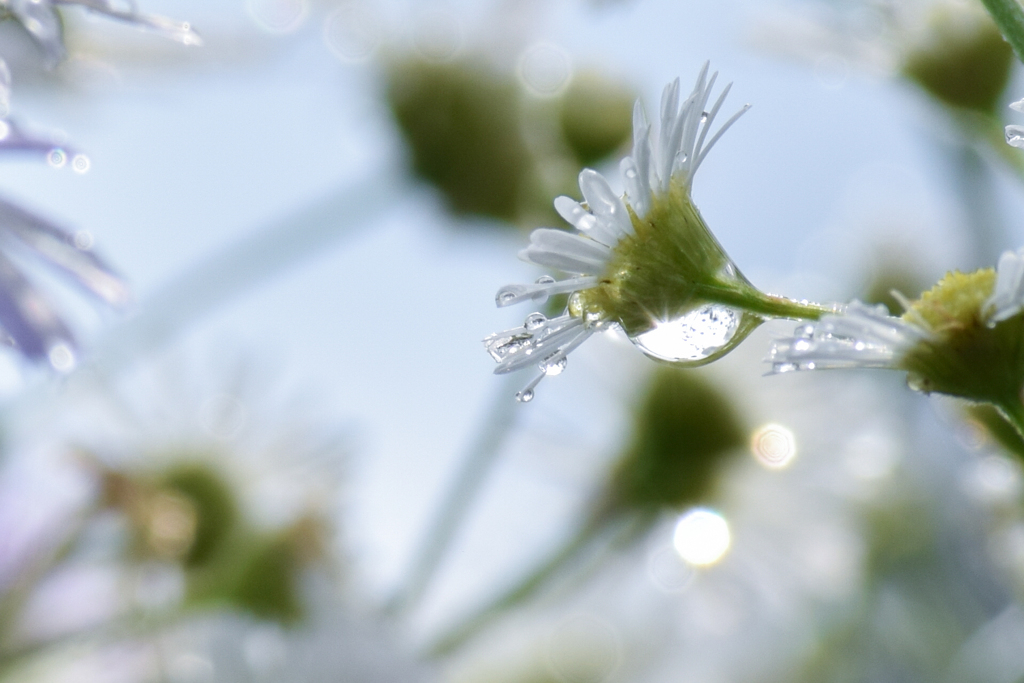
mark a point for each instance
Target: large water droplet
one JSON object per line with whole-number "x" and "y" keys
{"x": 693, "y": 337}
{"x": 534, "y": 322}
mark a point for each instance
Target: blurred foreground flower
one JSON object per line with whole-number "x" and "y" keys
{"x": 646, "y": 263}
{"x": 43, "y": 22}
{"x": 28, "y": 320}
{"x": 964, "y": 337}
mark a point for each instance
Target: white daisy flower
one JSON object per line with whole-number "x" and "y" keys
{"x": 645, "y": 262}
{"x": 963, "y": 337}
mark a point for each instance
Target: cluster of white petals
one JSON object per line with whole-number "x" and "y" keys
{"x": 669, "y": 151}
{"x": 861, "y": 336}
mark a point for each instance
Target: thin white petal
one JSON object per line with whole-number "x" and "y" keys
{"x": 604, "y": 203}
{"x": 586, "y": 222}
{"x": 510, "y": 295}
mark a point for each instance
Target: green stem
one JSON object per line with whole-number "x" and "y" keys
{"x": 750, "y": 299}
{"x": 1013, "y": 411}
{"x": 1009, "y": 17}
{"x": 532, "y": 583}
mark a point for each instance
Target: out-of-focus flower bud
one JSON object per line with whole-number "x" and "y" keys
{"x": 462, "y": 123}
{"x": 595, "y": 114}
{"x": 964, "y": 62}
{"x": 684, "y": 429}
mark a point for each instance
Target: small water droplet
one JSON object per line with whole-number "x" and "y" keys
{"x": 554, "y": 366}
{"x": 804, "y": 332}
{"x": 802, "y": 345}
{"x": 704, "y": 117}
{"x": 692, "y": 337}
{"x": 505, "y": 296}
{"x": 859, "y": 346}
{"x": 535, "y": 321}
{"x": 784, "y": 367}
{"x": 524, "y": 396}
{"x": 1014, "y": 136}
{"x": 545, "y": 280}
{"x": 631, "y": 173}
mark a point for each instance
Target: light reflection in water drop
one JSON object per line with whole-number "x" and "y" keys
{"x": 692, "y": 337}
{"x": 773, "y": 445}
{"x": 701, "y": 537}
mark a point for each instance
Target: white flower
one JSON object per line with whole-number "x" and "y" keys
{"x": 1015, "y": 134}
{"x": 961, "y": 338}
{"x": 664, "y": 157}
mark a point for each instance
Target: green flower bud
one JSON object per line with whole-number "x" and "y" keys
{"x": 595, "y": 116}
{"x": 965, "y": 61}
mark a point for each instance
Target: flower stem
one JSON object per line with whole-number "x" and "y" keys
{"x": 754, "y": 301}
{"x": 1009, "y": 17}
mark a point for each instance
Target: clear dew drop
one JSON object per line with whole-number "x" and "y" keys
{"x": 693, "y": 337}
{"x": 630, "y": 173}
{"x": 784, "y": 367}
{"x": 525, "y": 396}
{"x": 505, "y": 296}
{"x": 545, "y": 280}
{"x": 554, "y": 366}
{"x": 1015, "y": 136}
{"x": 534, "y": 322}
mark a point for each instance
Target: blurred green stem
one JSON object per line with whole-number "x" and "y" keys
{"x": 474, "y": 468}
{"x": 528, "y": 587}
{"x": 1009, "y": 17}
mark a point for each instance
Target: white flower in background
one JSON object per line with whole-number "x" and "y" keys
{"x": 633, "y": 261}
{"x": 42, "y": 20}
{"x": 961, "y": 338}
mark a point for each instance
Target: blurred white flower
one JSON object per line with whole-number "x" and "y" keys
{"x": 42, "y": 20}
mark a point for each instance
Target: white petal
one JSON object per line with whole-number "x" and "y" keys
{"x": 510, "y": 295}
{"x": 565, "y": 251}
{"x": 584, "y": 221}
{"x": 636, "y": 193}
{"x": 1008, "y": 294}
{"x": 604, "y": 203}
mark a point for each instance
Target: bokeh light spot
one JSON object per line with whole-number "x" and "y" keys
{"x": 773, "y": 445}
{"x": 545, "y": 69}
{"x": 701, "y": 537}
